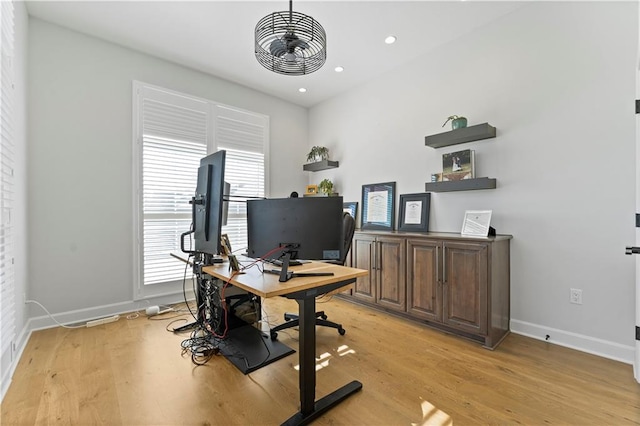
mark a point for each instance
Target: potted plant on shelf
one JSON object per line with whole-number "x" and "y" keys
{"x": 457, "y": 122}
{"x": 318, "y": 153}
{"x": 326, "y": 187}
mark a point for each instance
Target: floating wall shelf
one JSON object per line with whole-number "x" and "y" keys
{"x": 466, "y": 134}
{"x": 461, "y": 185}
{"x": 320, "y": 165}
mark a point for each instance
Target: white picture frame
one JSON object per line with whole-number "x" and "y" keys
{"x": 476, "y": 223}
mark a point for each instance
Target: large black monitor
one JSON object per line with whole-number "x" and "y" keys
{"x": 308, "y": 228}
{"x": 208, "y": 204}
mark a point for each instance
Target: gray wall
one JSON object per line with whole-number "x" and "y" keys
{"x": 80, "y": 161}
{"x": 557, "y": 79}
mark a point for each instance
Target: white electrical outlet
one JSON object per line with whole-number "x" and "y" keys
{"x": 576, "y": 296}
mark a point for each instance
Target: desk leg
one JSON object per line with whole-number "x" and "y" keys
{"x": 307, "y": 315}
{"x": 309, "y": 408}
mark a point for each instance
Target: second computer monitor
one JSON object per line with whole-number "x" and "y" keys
{"x": 208, "y": 214}
{"x": 309, "y": 228}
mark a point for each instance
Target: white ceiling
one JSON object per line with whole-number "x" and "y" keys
{"x": 216, "y": 37}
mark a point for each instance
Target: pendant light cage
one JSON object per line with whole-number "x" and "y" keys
{"x": 290, "y": 43}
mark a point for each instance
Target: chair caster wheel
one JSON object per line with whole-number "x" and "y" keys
{"x": 324, "y": 317}
{"x": 274, "y": 335}
{"x": 342, "y": 331}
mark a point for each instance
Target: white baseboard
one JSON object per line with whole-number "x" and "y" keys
{"x": 79, "y": 316}
{"x": 592, "y": 345}
{"x": 88, "y": 314}
{"x": 21, "y": 343}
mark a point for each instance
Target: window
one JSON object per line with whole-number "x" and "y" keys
{"x": 173, "y": 132}
{"x": 243, "y": 135}
{"x": 7, "y": 186}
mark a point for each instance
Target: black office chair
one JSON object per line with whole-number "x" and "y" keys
{"x": 292, "y": 320}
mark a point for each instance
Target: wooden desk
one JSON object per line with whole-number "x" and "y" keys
{"x": 304, "y": 290}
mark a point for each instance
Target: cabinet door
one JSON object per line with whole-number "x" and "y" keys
{"x": 465, "y": 281}
{"x": 424, "y": 286}
{"x": 390, "y": 269}
{"x": 363, "y": 255}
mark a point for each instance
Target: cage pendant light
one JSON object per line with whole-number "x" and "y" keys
{"x": 290, "y": 43}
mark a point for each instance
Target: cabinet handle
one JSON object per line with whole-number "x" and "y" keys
{"x": 444, "y": 267}
{"x": 438, "y": 263}
{"x": 374, "y": 258}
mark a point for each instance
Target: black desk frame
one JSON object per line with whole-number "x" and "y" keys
{"x": 311, "y": 409}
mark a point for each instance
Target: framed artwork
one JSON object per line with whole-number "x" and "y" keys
{"x": 458, "y": 165}
{"x": 378, "y": 206}
{"x": 350, "y": 207}
{"x": 226, "y": 245}
{"x": 414, "y": 212}
{"x": 312, "y": 190}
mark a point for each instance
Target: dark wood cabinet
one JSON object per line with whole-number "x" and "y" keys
{"x": 363, "y": 256}
{"x": 455, "y": 283}
{"x": 390, "y": 273}
{"x": 424, "y": 286}
{"x": 384, "y": 258}
{"x": 464, "y": 283}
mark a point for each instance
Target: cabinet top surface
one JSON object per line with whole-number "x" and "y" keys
{"x": 438, "y": 235}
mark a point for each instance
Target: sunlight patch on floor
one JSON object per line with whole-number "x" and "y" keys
{"x": 323, "y": 360}
{"x": 344, "y": 350}
{"x": 431, "y": 416}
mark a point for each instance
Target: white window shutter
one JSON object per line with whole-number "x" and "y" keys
{"x": 173, "y": 131}
{"x": 7, "y": 181}
{"x": 174, "y": 139}
{"x": 244, "y": 135}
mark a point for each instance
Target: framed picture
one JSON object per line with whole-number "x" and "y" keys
{"x": 351, "y": 208}
{"x": 378, "y": 206}
{"x": 458, "y": 165}
{"x": 414, "y": 212}
{"x": 312, "y": 190}
{"x": 226, "y": 245}
{"x": 476, "y": 223}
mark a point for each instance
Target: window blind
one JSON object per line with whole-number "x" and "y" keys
{"x": 7, "y": 185}
{"x": 174, "y": 139}
{"x": 243, "y": 135}
{"x": 173, "y": 132}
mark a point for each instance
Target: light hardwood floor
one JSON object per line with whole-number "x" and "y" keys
{"x": 132, "y": 373}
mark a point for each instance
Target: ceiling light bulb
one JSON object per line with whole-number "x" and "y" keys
{"x": 339, "y": 69}
{"x": 302, "y": 90}
{"x": 390, "y": 40}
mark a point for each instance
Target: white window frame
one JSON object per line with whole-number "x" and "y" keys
{"x": 142, "y": 291}
{"x": 7, "y": 183}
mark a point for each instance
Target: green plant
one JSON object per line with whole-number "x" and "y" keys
{"x": 458, "y": 121}
{"x": 326, "y": 187}
{"x": 318, "y": 152}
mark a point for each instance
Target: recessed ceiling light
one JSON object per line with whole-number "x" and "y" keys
{"x": 302, "y": 90}
{"x": 339, "y": 69}
{"x": 390, "y": 40}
